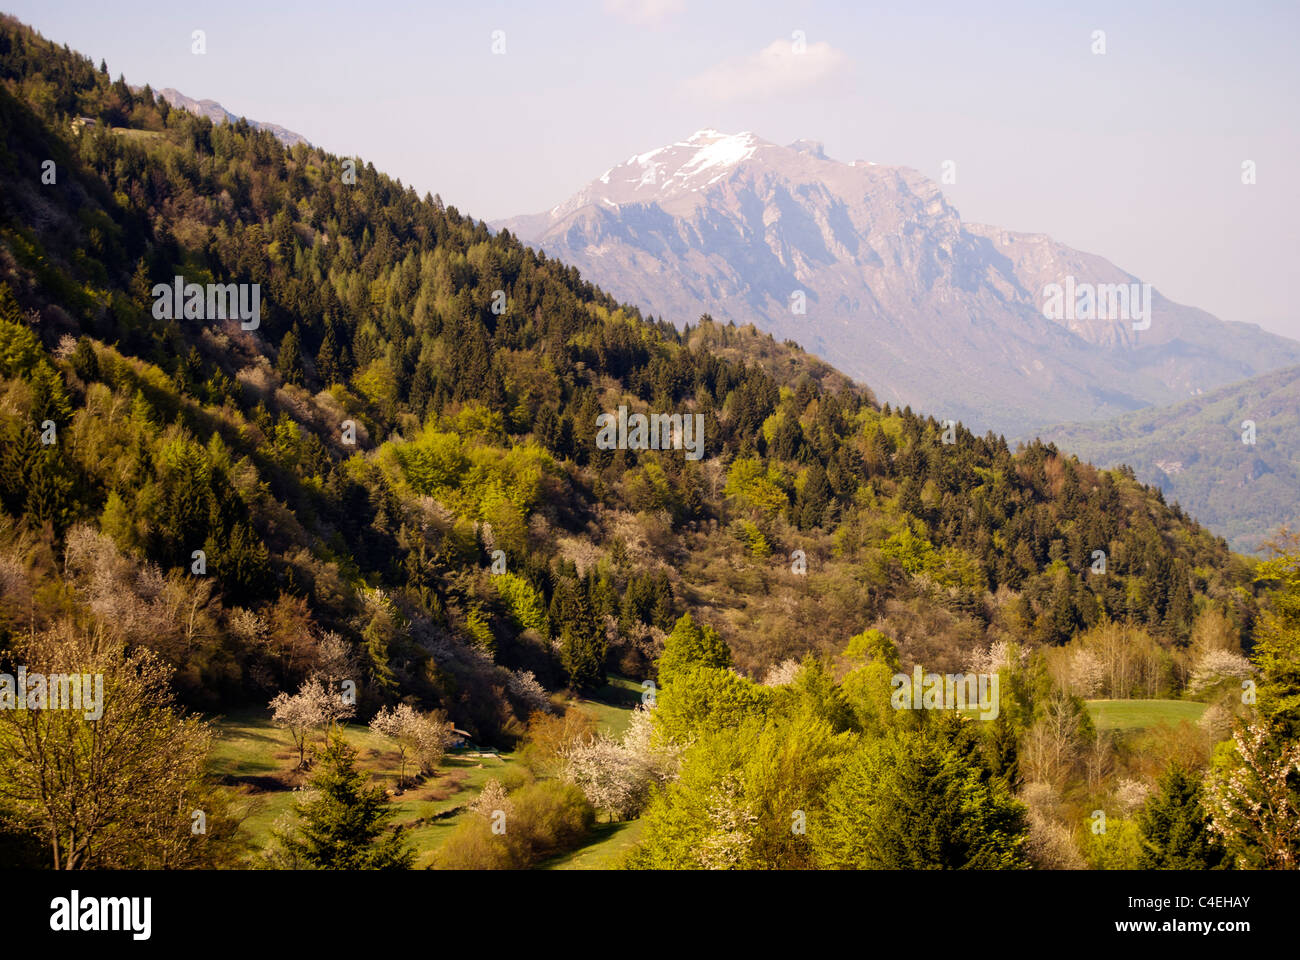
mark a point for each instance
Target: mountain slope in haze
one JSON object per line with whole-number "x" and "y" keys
{"x": 219, "y": 114}
{"x": 899, "y": 291}
{"x": 1194, "y": 451}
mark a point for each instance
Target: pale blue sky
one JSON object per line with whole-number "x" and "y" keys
{"x": 1135, "y": 154}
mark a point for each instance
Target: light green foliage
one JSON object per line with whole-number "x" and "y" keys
{"x": 752, "y": 537}
{"x": 378, "y": 385}
{"x": 648, "y": 487}
{"x": 691, "y": 645}
{"x": 477, "y": 480}
{"x": 873, "y": 661}
{"x": 434, "y": 461}
{"x": 1277, "y": 649}
{"x": 541, "y": 820}
{"x": 1119, "y": 848}
{"x": 948, "y": 566}
{"x": 703, "y": 699}
{"x": 526, "y": 604}
{"x": 477, "y": 422}
{"x": 912, "y": 552}
{"x": 20, "y": 351}
{"x": 743, "y": 799}
{"x": 813, "y": 692}
{"x": 477, "y": 625}
{"x": 756, "y": 489}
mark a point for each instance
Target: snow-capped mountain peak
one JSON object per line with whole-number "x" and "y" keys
{"x": 682, "y": 167}
{"x": 869, "y": 266}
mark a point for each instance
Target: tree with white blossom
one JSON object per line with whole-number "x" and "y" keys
{"x": 524, "y": 686}
{"x": 418, "y": 736}
{"x": 1253, "y": 806}
{"x": 618, "y": 775}
{"x": 731, "y": 825}
{"x": 491, "y": 800}
{"x": 334, "y": 707}
{"x": 298, "y": 713}
{"x": 1214, "y": 667}
{"x": 314, "y": 705}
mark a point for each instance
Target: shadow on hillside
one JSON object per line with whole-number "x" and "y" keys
{"x": 617, "y": 695}
{"x": 261, "y": 783}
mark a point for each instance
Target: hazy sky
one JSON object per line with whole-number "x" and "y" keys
{"x": 1135, "y": 154}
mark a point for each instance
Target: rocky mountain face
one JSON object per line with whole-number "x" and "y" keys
{"x": 871, "y": 268}
{"x": 219, "y": 114}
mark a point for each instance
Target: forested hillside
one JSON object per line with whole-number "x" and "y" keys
{"x": 1229, "y": 456}
{"x": 393, "y": 478}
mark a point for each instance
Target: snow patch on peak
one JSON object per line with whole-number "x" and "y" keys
{"x": 722, "y": 152}
{"x": 640, "y": 159}
{"x": 682, "y": 167}
{"x": 686, "y": 165}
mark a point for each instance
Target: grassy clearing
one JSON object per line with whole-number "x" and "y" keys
{"x": 1140, "y": 714}
{"x": 257, "y": 761}
{"x": 138, "y": 135}
{"x": 609, "y": 841}
{"x": 611, "y": 706}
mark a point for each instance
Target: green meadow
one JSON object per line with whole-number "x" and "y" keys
{"x": 1140, "y": 714}
{"x": 257, "y": 762}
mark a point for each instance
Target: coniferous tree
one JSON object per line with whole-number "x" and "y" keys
{"x": 915, "y": 800}
{"x": 343, "y": 824}
{"x": 328, "y": 367}
{"x": 289, "y": 363}
{"x": 1001, "y": 750}
{"x": 691, "y": 645}
{"x": 85, "y": 363}
{"x": 813, "y": 498}
{"x": 49, "y": 398}
{"x": 582, "y": 657}
{"x": 1174, "y": 828}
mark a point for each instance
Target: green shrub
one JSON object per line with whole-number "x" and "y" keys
{"x": 544, "y": 818}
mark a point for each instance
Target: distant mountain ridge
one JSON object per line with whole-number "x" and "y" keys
{"x": 1194, "y": 451}
{"x": 219, "y": 114}
{"x": 896, "y": 290}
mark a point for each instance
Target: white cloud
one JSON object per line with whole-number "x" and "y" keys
{"x": 644, "y": 12}
{"x": 775, "y": 70}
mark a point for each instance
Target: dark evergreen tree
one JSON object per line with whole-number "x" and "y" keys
{"x": 289, "y": 363}
{"x": 1174, "y": 828}
{"x": 344, "y": 824}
